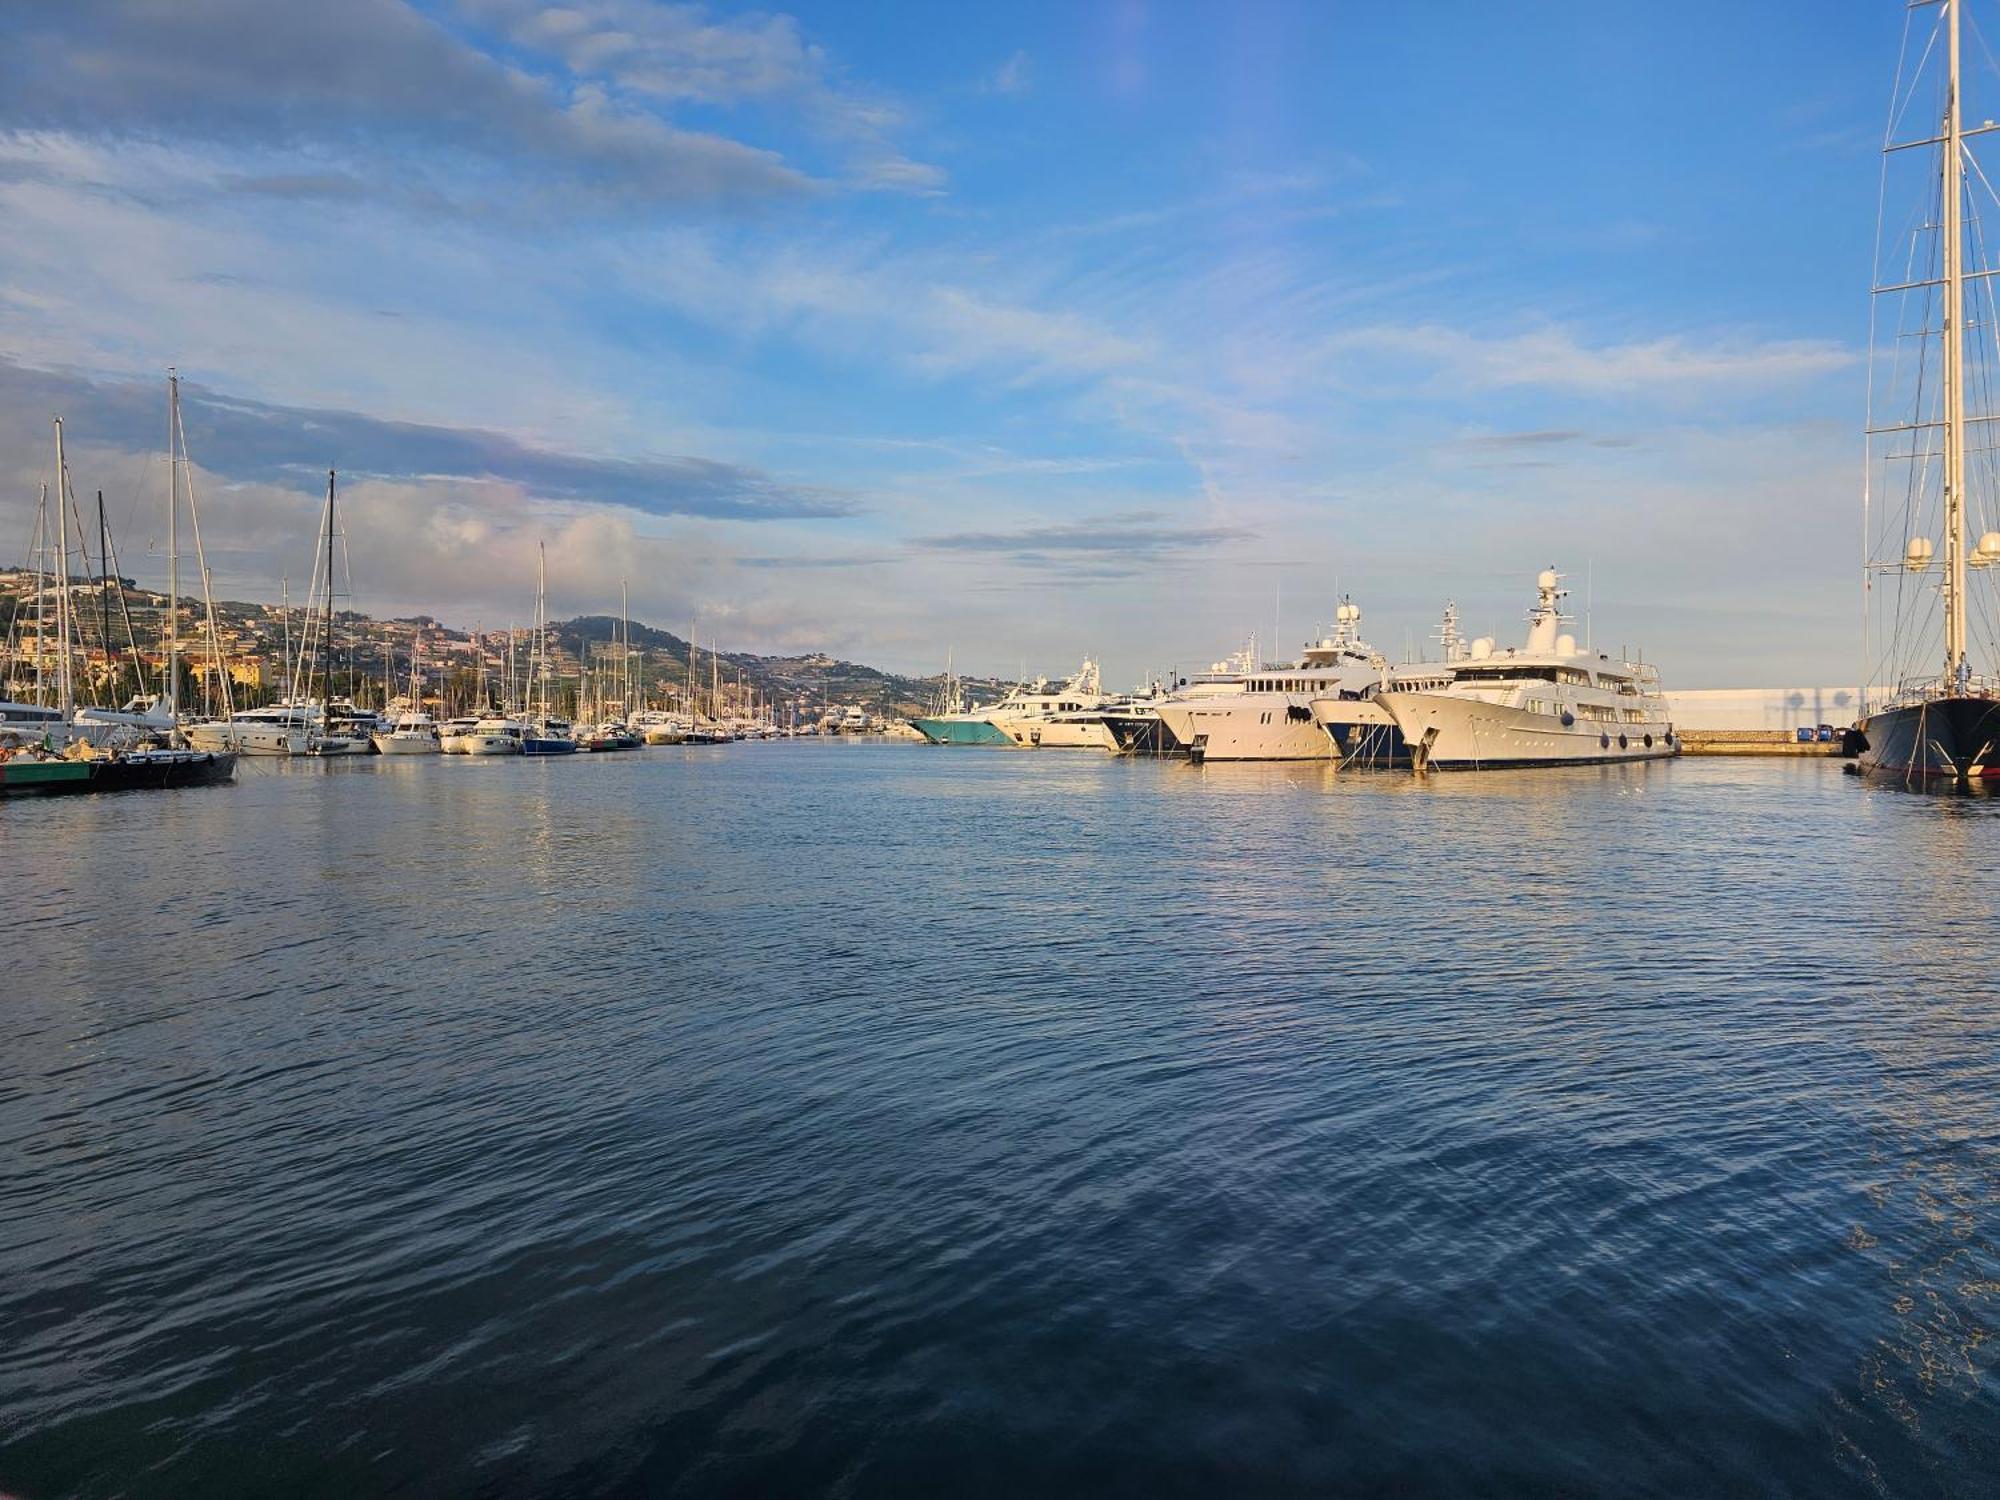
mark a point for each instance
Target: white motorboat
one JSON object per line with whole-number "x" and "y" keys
{"x": 281, "y": 729}
{"x": 414, "y": 733}
{"x": 659, "y": 727}
{"x": 1541, "y": 704}
{"x": 451, "y": 735}
{"x": 493, "y": 737}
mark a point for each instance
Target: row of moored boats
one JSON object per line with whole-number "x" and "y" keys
{"x": 1545, "y": 702}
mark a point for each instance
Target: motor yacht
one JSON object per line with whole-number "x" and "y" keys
{"x": 1540, "y": 704}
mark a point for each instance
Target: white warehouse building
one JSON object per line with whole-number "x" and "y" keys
{"x": 1785, "y": 709}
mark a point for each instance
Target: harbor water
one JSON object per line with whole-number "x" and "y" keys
{"x": 881, "y": 1119}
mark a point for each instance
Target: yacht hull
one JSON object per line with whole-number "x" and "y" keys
{"x": 1446, "y": 733}
{"x": 942, "y": 731}
{"x": 408, "y": 744}
{"x": 1942, "y": 740}
{"x": 488, "y": 744}
{"x": 247, "y": 739}
{"x": 1141, "y": 734}
{"x": 1362, "y": 733}
{"x": 1076, "y": 735}
{"x": 139, "y": 771}
{"x": 1277, "y": 726}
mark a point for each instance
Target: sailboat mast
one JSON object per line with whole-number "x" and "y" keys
{"x": 1954, "y": 359}
{"x": 104, "y": 584}
{"x": 65, "y": 693}
{"x": 41, "y": 604}
{"x": 174, "y": 547}
{"x": 326, "y": 693}
{"x": 541, "y": 648}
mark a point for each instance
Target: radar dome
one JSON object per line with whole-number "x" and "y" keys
{"x": 1565, "y": 645}
{"x": 1482, "y": 648}
{"x": 1988, "y": 550}
{"x": 1349, "y": 613}
{"x": 1547, "y": 579}
{"x": 1920, "y": 551}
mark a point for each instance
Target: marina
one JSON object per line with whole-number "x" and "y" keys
{"x": 1057, "y": 755}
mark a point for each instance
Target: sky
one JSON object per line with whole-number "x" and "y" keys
{"x": 1017, "y": 332}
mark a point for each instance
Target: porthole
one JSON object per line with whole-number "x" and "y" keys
{"x": 1604, "y": 742}
{"x": 1623, "y": 743}
{"x": 1649, "y": 742}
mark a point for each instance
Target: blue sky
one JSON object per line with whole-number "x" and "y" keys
{"x": 1024, "y": 331}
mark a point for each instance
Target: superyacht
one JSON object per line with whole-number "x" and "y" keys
{"x": 1542, "y": 704}
{"x": 1138, "y": 729}
{"x": 1023, "y": 715}
{"x": 1271, "y": 717}
{"x": 1360, "y": 729}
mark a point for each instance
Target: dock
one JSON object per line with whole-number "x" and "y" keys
{"x": 1753, "y": 742}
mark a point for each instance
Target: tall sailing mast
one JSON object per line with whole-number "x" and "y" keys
{"x": 326, "y": 693}
{"x": 1956, "y": 666}
{"x": 65, "y": 689}
{"x": 41, "y": 605}
{"x": 174, "y": 442}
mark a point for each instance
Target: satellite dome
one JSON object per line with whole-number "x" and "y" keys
{"x": 1920, "y": 551}
{"x": 1989, "y": 547}
{"x": 1482, "y": 648}
{"x": 1565, "y": 645}
{"x": 1547, "y": 579}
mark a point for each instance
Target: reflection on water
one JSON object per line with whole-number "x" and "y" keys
{"x": 867, "y": 1116}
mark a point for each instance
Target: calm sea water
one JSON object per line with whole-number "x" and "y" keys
{"x": 873, "y": 1118}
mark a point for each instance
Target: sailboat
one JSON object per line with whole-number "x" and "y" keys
{"x": 1931, "y": 703}
{"x": 85, "y": 767}
{"x": 332, "y": 734}
{"x": 545, "y": 735}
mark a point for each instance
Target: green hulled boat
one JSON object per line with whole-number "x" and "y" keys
{"x": 959, "y": 729}
{"x": 41, "y": 778}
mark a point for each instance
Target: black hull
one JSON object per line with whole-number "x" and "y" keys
{"x": 139, "y": 772}
{"x": 1369, "y": 746}
{"x": 1531, "y": 763}
{"x": 1944, "y": 740}
{"x": 1142, "y": 734}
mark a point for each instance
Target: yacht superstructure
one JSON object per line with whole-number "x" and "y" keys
{"x": 1544, "y": 703}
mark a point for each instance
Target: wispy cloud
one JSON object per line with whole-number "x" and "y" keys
{"x": 580, "y": 106}
{"x": 1555, "y": 358}
{"x": 1014, "y": 76}
{"x": 681, "y": 54}
{"x": 1131, "y": 537}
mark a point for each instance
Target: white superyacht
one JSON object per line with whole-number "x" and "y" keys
{"x": 1035, "y": 715}
{"x": 1271, "y": 718}
{"x": 1542, "y": 704}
